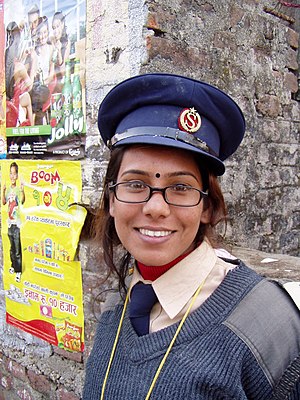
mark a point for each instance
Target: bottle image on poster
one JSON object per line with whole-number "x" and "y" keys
{"x": 67, "y": 93}
{"x": 77, "y": 99}
{"x": 68, "y": 122}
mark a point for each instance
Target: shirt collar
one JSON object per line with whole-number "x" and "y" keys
{"x": 176, "y": 286}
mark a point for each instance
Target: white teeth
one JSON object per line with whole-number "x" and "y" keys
{"x": 154, "y": 233}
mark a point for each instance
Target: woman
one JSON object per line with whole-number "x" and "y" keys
{"x": 61, "y": 45}
{"x": 194, "y": 324}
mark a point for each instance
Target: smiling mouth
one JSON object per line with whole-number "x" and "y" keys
{"x": 147, "y": 232}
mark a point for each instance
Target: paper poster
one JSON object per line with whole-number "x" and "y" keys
{"x": 45, "y": 78}
{"x": 2, "y": 85}
{"x": 41, "y": 226}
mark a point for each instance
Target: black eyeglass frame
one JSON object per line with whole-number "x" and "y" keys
{"x": 114, "y": 186}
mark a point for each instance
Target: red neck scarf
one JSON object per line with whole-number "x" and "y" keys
{"x": 150, "y": 273}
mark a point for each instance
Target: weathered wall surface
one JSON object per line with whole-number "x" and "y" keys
{"x": 241, "y": 48}
{"x": 252, "y": 55}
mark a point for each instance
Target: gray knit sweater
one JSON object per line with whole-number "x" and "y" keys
{"x": 209, "y": 360}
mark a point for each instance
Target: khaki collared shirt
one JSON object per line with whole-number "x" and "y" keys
{"x": 176, "y": 287}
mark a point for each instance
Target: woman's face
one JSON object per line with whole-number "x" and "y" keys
{"x": 43, "y": 35}
{"x": 57, "y": 27}
{"x": 33, "y": 20}
{"x": 155, "y": 233}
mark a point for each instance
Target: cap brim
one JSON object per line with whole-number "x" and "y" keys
{"x": 214, "y": 164}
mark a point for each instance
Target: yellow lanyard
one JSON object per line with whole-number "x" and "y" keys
{"x": 167, "y": 352}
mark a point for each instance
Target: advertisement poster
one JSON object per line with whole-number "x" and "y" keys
{"x": 45, "y": 78}
{"x": 2, "y": 85}
{"x": 41, "y": 226}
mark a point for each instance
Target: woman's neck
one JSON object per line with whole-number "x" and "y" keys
{"x": 151, "y": 273}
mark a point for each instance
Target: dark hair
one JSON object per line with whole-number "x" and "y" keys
{"x": 34, "y": 10}
{"x": 103, "y": 227}
{"x": 14, "y": 165}
{"x": 12, "y": 52}
{"x": 62, "y": 18}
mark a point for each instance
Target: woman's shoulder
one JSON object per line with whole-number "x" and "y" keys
{"x": 269, "y": 301}
{"x": 267, "y": 320}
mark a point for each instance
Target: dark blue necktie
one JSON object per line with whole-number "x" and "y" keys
{"x": 142, "y": 300}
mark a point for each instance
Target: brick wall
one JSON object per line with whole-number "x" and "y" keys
{"x": 244, "y": 49}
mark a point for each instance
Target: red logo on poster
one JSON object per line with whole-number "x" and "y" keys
{"x": 47, "y": 198}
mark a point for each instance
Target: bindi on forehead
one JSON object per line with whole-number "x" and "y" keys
{"x": 157, "y": 175}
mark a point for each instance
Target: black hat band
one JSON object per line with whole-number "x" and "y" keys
{"x": 161, "y": 131}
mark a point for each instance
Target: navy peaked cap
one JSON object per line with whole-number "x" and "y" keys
{"x": 176, "y": 111}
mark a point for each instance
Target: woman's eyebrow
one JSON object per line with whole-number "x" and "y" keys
{"x": 182, "y": 173}
{"x": 170, "y": 175}
{"x": 135, "y": 171}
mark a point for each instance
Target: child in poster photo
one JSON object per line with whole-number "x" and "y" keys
{"x": 14, "y": 196}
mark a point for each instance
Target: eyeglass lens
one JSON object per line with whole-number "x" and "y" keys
{"x": 138, "y": 192}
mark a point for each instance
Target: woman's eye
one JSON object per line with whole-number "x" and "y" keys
{"x": 180, "y": 188}
{"x": 136, "y": 185}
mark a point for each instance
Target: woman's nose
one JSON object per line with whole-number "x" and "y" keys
{"x": 156, "y": 206}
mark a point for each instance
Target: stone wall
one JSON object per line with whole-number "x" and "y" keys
{"x": 248, "y": 48}
{"x": 246, "y": 51}
{"x": 253, "y": 56}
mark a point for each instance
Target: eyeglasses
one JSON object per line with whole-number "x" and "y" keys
{"x": 135, "y": 192}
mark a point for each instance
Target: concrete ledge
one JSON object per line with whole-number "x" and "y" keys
{"x": 278, "y": 266}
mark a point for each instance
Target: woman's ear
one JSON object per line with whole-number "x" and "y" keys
{"x": 111, "y": 205}
{"x": 206, "y": 214}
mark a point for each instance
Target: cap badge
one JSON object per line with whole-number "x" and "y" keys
{"x": 189, "y": 120}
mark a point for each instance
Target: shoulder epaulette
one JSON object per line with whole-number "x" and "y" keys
{"x": 268, "y": 322}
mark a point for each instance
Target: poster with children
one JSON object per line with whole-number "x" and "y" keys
{"x": 41, "y": 225}
{"x": 45, "y": 78}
